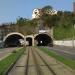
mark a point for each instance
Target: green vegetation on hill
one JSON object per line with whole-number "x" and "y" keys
{"x": 62, "y": 22}
{"x": 26, "y": 26}
{"x": 64, "y": 27}
{"x": 61, "y": 33}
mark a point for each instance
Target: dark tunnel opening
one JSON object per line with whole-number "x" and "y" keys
{"x": 44, "y": 40}
{"x": 29, "y": 39}
{"x": 13, "y": 41}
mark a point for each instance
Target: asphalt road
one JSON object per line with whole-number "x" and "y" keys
{"x": 67, "y": 52}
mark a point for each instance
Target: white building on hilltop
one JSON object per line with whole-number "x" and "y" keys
{"x": 53, "y": 12}
{"x": 37, "y": 12}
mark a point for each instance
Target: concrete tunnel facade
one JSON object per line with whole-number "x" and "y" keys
{"x": 39, "y": 40}
{"x": 13, "y": 39}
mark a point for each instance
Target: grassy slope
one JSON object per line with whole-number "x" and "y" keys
{"x": 5, "y": 63}
{"x": 61, "y": 33}
{"x": 60, "y": 58}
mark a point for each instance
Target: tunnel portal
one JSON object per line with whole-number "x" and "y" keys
{"x": 44, "y": 40}
{"x": 29, "y": 39}
{"x": 13, "y": 40}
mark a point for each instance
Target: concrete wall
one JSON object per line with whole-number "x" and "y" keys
{"x": 64, "y": 43}
{"x": 1, "y": 44}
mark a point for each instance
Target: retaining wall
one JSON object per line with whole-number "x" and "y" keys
{"x": 64, "y": 43}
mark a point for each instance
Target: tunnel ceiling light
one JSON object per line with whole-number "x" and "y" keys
{"x": 40, "y": 41}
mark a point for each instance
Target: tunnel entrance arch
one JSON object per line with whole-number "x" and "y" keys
{"x": 29, "y": 40}
{"x": 43, "y": 40}
{"x": 13, "y": 39}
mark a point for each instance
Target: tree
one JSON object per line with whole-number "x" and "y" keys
{"x": 48, "y": 19}
{"x": 46, "y": 9}
{"x": 26, "y": 26}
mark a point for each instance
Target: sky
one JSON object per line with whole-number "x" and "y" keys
{"x": 10, "y": 10}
